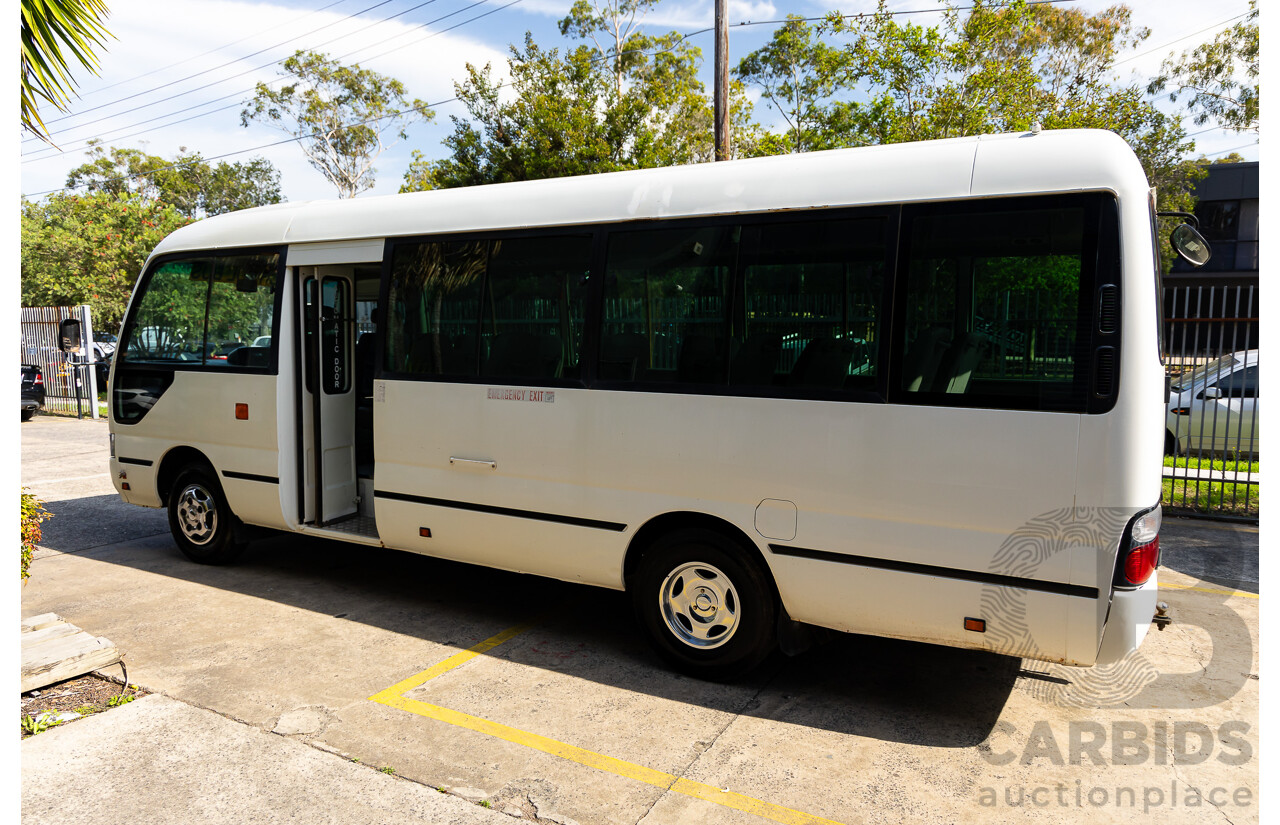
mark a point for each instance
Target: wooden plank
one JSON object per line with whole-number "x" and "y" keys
{"x": 47, "y": 634}
{"x": 54, "y": 650}
{"x": 43, "y": 620}
{"x": 86, "y": 661}
{"x": 59, "y": 648}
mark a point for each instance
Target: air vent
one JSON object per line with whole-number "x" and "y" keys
{"x": 1109, "y": 309}
{"x": 1104, "y": 372}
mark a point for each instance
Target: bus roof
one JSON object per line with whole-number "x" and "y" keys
{"x": 981, "y": 166}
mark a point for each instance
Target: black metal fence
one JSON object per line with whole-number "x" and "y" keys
{"x": 70, "y": 381}
{"x": 1210, "y": 340}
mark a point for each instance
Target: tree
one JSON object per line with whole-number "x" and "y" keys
{"x": 341, "y": 116}
{"x": 186, "y": 182}
{"x": 89, "y": 249}
{"x": 53, "y": 33}
{"x": 623, "y": 100}
{"x": 1002, "y": 68}
{"x": 797, "y": 76}
{"x": 1210, "y": 74}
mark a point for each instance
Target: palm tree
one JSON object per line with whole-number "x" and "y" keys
{"x": 52, "y": 32}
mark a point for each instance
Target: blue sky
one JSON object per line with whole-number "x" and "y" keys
{"x": 197, "y": 63}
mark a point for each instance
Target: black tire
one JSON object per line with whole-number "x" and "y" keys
{"x": 724, "y": 631}
{"x": 26, "y": 415}
{"x": 202, "y": 524}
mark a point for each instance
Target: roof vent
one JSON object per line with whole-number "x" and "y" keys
{"x": 1036, "y": 128}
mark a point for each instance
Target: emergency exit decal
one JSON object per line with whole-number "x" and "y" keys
{"x": 512, "y": 394}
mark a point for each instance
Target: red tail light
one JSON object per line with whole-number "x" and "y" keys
{"x": 1143, "y": 553}
{"x": 1141, "y": 562}
{"x": 39, "y": 379}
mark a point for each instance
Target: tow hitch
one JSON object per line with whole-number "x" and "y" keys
{"x": 1162, "y": 617}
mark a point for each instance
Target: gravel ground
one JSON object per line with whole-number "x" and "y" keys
{"x": 85, "y": 695}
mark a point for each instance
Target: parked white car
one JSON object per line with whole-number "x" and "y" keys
{"x": 1214, "y": 408}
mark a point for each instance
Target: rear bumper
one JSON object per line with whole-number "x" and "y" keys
{"x": 1128, "y": 621}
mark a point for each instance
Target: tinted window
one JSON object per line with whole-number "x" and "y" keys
{"x": 992, "y": 306}
{"x": 667, "y": 294}
{"x": 206, "y": 311}
{"x": 812, "y": 297}
{"x": 1240, "y": 384}
{"x": 503, "y": 308}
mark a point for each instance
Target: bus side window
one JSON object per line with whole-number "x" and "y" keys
{"x": 812, "y": 292}
{"x": 534, "y": 304}
{"x": 993, "y": 306}
{"x": 667, "y": 295}
{"x": 435, "y": 307}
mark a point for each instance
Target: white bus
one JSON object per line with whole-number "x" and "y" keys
{"x": 910, "y": 391}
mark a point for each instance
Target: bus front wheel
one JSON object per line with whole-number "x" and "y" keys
{"x": 201, "y": 522}
{"x": 707, "y": 605}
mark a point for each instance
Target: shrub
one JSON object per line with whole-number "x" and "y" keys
{"x": 33, "y": 513}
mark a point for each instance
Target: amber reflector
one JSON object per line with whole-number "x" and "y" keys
{"x": 242, "y": 412}
{"x": 976, "y": 625}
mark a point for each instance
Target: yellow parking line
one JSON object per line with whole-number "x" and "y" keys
{"x": 393, "y": 697}
{"x": 1241, "y": 593}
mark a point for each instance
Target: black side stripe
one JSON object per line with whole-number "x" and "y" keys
{"x": 503, "y": 511}
{"x": 1060, "y": 588}
{"x": 141, "y": 462}
{"x": 251, "y": 477}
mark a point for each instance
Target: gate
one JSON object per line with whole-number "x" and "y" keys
{"x": 1210, "y": 342}
{"x": 70, "y": 381}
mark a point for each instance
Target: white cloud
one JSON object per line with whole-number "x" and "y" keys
{"x": 188, "y": 43}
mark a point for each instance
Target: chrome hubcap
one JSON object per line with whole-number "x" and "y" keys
{"x": 197, "y": 515}
{"x": 699, "y": 605}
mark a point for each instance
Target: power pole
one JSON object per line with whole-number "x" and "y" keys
{"x": 722, "y": 80}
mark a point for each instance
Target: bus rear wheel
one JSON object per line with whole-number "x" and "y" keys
{"x": 202, "y": 524}
{"x": 706, "y": 604}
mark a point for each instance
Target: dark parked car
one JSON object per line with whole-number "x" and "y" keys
{"x": 32, "y": 390}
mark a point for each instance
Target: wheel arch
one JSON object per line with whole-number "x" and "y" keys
{"x": 666, "y": 523}
{"x": 172, "y": 464}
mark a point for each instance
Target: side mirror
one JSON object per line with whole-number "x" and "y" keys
{"x": 1211, "y": 393}
{"x": 69, "y": 337}
{"x": 1190, "y": 244}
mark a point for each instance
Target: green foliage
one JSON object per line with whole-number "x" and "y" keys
{"x": 621, "y": 100}
{"x": 33, "y": 513}
{"x": 1002, "y": 68}
{"x": 40, "y": 723}
{"x": 122, "y": 699}
{"x": 1209, "y": 76}
{"x": 340, "y": 114}
{"x": 797, "y": 75}
{"x": 387, "y": 769}
{"x": 186, "y": 182}
{"x": 89, "y": 249}
{"x": 55, "y": 32}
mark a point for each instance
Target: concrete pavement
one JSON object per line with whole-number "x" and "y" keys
{"x": 541, "y": 697}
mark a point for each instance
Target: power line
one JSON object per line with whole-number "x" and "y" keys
{"x": 214, "y": 50}
{"x": 206, "y": 71}
{"x": 54, "y": 153}
{"x": 348, "y": 126}
{"x": 504, "y": 84}
{"x": 1233, "y": 149}
{"x": 1180, "y": 39}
